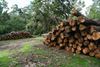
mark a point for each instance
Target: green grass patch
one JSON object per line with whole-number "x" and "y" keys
{"x": 5, "y": 58}
{"x": 26, "y": 48}
{"x": 55, "y": 58}
{"x": 39, "y": 51}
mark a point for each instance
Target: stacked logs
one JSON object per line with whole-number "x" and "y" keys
{"x": 78, "y": 35}
{"x": 15, "y": 35}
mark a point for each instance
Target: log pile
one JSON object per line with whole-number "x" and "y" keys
{"x": 15, "y": 35}
{"x": 77, "y": 35}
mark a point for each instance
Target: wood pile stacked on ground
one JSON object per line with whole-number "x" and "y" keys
{"x": 15, "y": 35}
{"x": 78, "y": 35}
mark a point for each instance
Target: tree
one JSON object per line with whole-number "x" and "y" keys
{"x": 95, "y": 10}
{"x": 4, "y": 16}
{"x": 47, "y": 13}
{"x": 13, "y": 21}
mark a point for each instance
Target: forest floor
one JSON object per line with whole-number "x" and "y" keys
{"x": 31, "y": 52}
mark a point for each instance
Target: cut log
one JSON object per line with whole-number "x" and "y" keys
{"x": 59, "y": 40}
{"x": 82, "y": 27}
{"x": 78, "y": 52}
{"x": 62, "y": 35}
{"x": 62, "y": 45}
{"x": 69, "y": 49}
{"x": 67, "y": 29}
{"x": 89, "y": 22}
{"x": 79, "y": 48}
{"x": 89, "y": 37}
{"x": 86, "y": 43}
{"x": 81, "y": 19}
{"x": 97, "y": 50}
{"x": 91, "y": 46}
{"x": 65, "y": 40}
{"x": 74, "y": 28}
{"x": 62, "y": 24}
{"x": 71, "y": 22}
{"x": 86, "y": 50}
{"x": 84, "y": 33}
{"x": 96, "y": 36}
{"x": 74, "y": 46}
{"x": 91, "y": 53}
{"x": 76, "y": 13}
{"x": 97, "y": 55}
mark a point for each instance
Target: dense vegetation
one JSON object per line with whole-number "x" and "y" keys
{"x": 40, "y": 16}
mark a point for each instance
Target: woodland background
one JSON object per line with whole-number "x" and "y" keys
{"x": 41, "y": 15}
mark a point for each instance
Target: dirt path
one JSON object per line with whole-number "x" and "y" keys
{"x": 14, "y": 44}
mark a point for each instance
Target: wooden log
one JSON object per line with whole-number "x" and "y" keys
{"x": 79, "y": 48}
{"x": 86, "y": 50}
{"x": 80, "y": 40}
{"x": 70, "y": 44}
{"x": 97, "y": 55}
{"x": 54, "y": 44}
{"x": 92, "y": 29}
{"x": 62, "y": 24}
{"x": 74, "y": 45}
{"x": 74, "y": 28}
{"x": 65, "y": 40}
{"x": 59, "y": 40}
{"x": 51, "y": 44}
{"x": 62, "y": 45}
{"x": 91, "y": 53}
{"x": 53, "y": 37}
{"x": 80, "y": 44}
{"x": 45, "y": 43}
{"x": 62, "y": 35}
{"x": 78, "y": 52}
{"x": 81, "y": 19}
{"x": 67, "y": 29}
{"x": 91, "y": 46}
{"x": 89, "y": 37}
{"x": 58, "y": 47}
{"x": 97, "y": 28}
{"x": 82, "y": 27}
{"x": 62, "y": 29}
{"x": 76, "y": 13}
{"x": 71, "y": 40}
{"x": 66, "y": 35}
{"x": 57, "y": 33}
{"x": 77, "y": 35}
{"x": 69, "y": 49}
{"x": 83, "y": 33}
{"x": 85, "y": 38}
{"x": 96, "y": 36}
{"x": 58, "y": 27}
{"x": 73, "y": 50}
{"x": 86, "y": 43}
{"x": 89, "y": 22}
{"x": 97, "y": 50}
{"x": 71, "y": 22}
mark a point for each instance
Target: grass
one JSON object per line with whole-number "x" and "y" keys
{"x": 61, "y": 59}
{"x": 5, "y": 58}
{"x": 42, "y": 55}
{"x": 26, "y": 48}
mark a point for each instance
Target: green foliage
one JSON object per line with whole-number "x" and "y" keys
{"x": 38, "y": 18}
{"x": 95, "y": 10}
{"x": 47, "y": 13}
{"x": 10, "y": 21}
